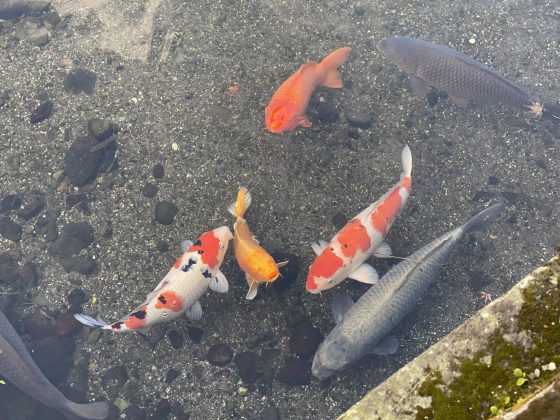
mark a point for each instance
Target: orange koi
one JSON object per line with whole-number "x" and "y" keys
{"x": 257, "y": 264}
{"x": 286, "y": 109}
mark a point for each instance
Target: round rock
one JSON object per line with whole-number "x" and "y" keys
{"x": 80, "y": 164}
{"x": 166, "y": 212}
{"x": 359, "y": 119}
{"x": 219, "y": 354}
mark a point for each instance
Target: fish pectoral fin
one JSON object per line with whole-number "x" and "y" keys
{"x": 419, "y": 86}
{"x": 219, "y": 283}
{"x": 365, "y": 273}
{"x": 253, "y": 288}
{"x": 383, "y": 251}
{"x": 305, "y": 122}
{"x": 282, "y": 264}
{"x": 458, "y": 100}
{"x": 319, "y": 247}
{"x": 195, "y": 311}
{"x": 388, "y": 345}
{"x": 186, "y": 244}
{"x": 90, "y": 321}
{"x": 333, "y": 79}
{"x": 341, "y": 304}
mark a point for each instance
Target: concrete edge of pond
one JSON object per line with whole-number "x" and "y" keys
{"x": 398, "y": 396}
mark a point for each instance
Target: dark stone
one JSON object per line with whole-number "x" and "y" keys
{"x": 10, "y": 230}
{"x": 358, "y": 119}
{"x": 166, "y": 212}
{"x": 305, "y": 339}
{"x": 219, "y": 354}
{"x": 75, "y": 237}
{"x": 195, "y": 334}
{"x": 294, "y": 372}
{"x": 254, "y": 340}
{"x": 359, "y": 10}
{"x": 76, "y": 298}
{"x": 38, "y": 325}
{"x": 158, "y": 171}
{"x": 162, "y": 246}
{"x": 51, "y": 231}
{"x": 510, "y": 196}
{"x": 149, "y": 190}
{"x": 80, "y": 80}
{"x": 80, "y": 163}
{"x": 353, "y": 133}
{"x": 270, "y": 413}
{"x": 10, "y": 202}
{"x": 9, "y": 269}
{"x": 408, "y": 124}
{"x": 289, "y": 272}
{"x": 29, "y": 275}
{"x": 175, "y": 338}
{"x": 115, "y": 376}
{"x": 101, "y": 129}
{"x": 33, "y": 204}
{"x": 339, "y": 220}
{"x": 42, "y": 112}
{"x": 66, "y": 325}
{"x": 108, "y": 160}
{"x": 493, "y": 180}
{"x": 74, "y": 199}
{"x": 163, "y": 408}
{"x": 512, "y": 220}
{"x": 171, "y": 375}
{"x": 82, "y": 264}
{"x": 53, "y": 355}
{"x": 134, "y": 412}
{"x": 326, "y": 112}
{"x": 249, "y": 365}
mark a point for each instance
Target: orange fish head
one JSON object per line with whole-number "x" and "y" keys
{"x": 325, "y": 271}
{"x": 279, "y": 117}
{"x": 268, "y": 272}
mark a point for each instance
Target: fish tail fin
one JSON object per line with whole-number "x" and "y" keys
{"x": 484, "y": 218}
{"x": 91, "y": 321}
{"x": 551, "y": 111}
{"x": 243, "y": 202}
{"x": 94, "y": 411}
{"x": 330, "y": 63}
{"x": 406, "y": 158}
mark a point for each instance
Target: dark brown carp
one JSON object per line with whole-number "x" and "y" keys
{"x": 463, "y": 78}
{"x": 17, "y": 366}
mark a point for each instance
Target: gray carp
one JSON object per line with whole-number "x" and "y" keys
{"x": 432, "y": 65}
{"x": 363, "y": 327}
{"x": 17, "y": 366}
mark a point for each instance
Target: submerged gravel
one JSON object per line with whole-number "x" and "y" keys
{"x": 161, "y": 70}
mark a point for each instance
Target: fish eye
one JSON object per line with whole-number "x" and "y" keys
{"x": 330, "y": 280}
{"x": 164, "y": 314}
{"x": 221, "y": 245}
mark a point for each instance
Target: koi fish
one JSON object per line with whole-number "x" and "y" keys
{"x": 363, "y": 236}
{"x": 432, "y": 65}
{"x": 362, "y": 327}
{"x": 181, "y": 288}
{"x": 257, "y": 264}
{"x": 286, "y": 109}
{"x": 19, "y": 368}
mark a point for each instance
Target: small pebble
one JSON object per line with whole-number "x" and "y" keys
{"x": 165, "y": 212}
{"x": 10, "y": 230}
{"x": 175, "y": 338}
{"x": 171, "y": 375}
{"x": 219, "y": 354}
{"x": 149, "y": 190}
{"x": 359, "y": 119}
{"x": 158, "y": 171}
{"x": 42, "y": 112}
{"x": 80, "y": 80}
{"x": 195, "y": 334}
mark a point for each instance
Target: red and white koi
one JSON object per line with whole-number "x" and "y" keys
{"x": 181, "y": 288}
{"x": 362, "y": 237}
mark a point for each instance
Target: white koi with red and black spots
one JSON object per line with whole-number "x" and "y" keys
{"x": 361, "y": 238}
{"x": 180, "y": 290}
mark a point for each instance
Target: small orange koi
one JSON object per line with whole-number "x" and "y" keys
{"x": 257, "y": 264}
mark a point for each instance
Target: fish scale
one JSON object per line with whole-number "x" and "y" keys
{"x": 386, "y": 303}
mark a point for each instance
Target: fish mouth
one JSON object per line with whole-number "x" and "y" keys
{"x": 318, "y": 369}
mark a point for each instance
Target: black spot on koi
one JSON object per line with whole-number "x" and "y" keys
{"x": 188, "y": 265}
{"x": 207, "y": 274}
{"x": 139, "y": 314}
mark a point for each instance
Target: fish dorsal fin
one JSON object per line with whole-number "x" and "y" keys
{"x": 253, "y": 288}
{"x": 186, "y": 244}
{"x": 195, "y": 311}
{"x": 307, "y": 66}
{"x": 219, "y": 283}
{"x": 319, "y": 247}
{"x": 383, "y": 251}
{"x": 90, "y": 321}
{"x": 341, "y": 304}
{"x": 365, "y": 273}
{"x": 388, "y": 345}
